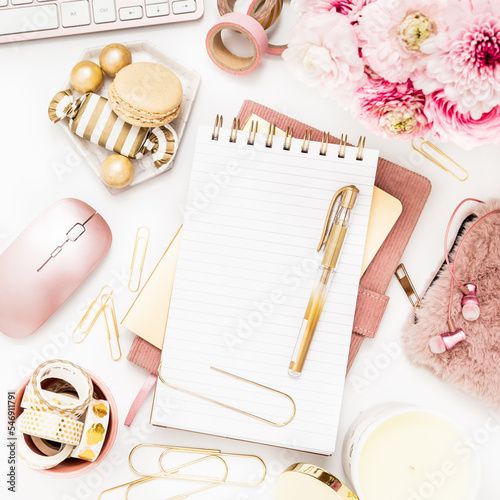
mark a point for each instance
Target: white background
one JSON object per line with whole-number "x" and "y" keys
{"x": 39, "y": 166}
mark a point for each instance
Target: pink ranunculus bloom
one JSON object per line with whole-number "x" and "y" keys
{"x": 394, "y": 110}
{"x": 393, "y": 34}
{"x": 323, "y": 53}
{"x": 349, "y": 8}
{"x": 465, "y": 59}
{"x": 451, "y": 125}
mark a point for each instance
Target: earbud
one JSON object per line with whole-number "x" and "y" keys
{"x": 470, "y": 303}
{"x": 446, "y": 341}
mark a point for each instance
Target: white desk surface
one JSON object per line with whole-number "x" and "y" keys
{"x": 39, "y": 166}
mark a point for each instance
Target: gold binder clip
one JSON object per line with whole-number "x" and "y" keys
{"x": 254, "y": 128}
{"x": 307, "y": 137}
{"x": 342, "y": 145}
{"x": 426, "y": 154}
{"x": 109, "y": 304}
{"x": 138, "y": 239}
{"x": 217, "y": 126}
{"x": 324, "y": 143}
{"x": 233, "y": 135}
{"x": 105, "y": 290}
{"x": 405, "y": 281}
{"x": 361, "y": 148}
{"x": 288, "y": 139}
{"x": 270, "y": 135}
{"x": 233, "y": 408}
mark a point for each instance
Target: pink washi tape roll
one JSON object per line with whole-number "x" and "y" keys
{"x": 223, "y": 57}
{"x": 264, "y": 11}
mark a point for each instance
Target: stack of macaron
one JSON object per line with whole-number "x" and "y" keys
{"x": 142, "y": 95}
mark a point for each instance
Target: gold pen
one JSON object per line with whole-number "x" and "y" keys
{"x": 332, "y": 240}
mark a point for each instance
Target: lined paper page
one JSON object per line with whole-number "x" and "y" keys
{"x": 246, "y": 268}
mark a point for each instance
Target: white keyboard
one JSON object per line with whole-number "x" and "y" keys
{"x": 34, "y": 19}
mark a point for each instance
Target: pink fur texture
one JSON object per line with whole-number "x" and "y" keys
{"x": 473, "y": 365}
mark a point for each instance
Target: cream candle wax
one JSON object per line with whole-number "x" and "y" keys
{"x": 399, "y": 452}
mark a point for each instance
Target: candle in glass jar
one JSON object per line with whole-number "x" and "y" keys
{"x": 406, "y": 453}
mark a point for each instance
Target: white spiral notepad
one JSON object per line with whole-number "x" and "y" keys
{"x": 246, "y": 267}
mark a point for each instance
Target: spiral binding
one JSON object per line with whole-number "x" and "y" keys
{"x": 306, "y": 141}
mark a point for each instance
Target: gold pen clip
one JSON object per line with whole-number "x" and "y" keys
{"x": 141, "y": 237}
{"x": 405, "y": 281}
{"x": 349, "y": 195}
{"x": 233, "y": 408}
{"x": 462, "y": 174}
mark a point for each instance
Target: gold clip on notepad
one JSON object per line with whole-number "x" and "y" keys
{"x": 141, "y": 239}
{"x": 85, "y": 330}
{"x": 433, "y": 153}
{"x": 233, "y": 408}
{"x": 405, "y": 281}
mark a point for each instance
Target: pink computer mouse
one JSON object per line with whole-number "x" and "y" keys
{"x": 47, "y": 262}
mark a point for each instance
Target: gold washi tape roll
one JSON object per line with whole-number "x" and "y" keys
{"x": 68, "y": 372}
{"x": 51, "y": 426}
{"x": 40, "y": 462}
{"x": 31, "y": 402}
{"x": 94, "y": 431}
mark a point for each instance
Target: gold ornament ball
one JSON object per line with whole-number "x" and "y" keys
{"x": 117, "y": 171}
{"x": 113, "y": 58}
{"x": 86, "y": 76}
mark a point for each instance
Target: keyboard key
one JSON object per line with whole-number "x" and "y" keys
{"x": 26, "y": 19}
{"x": 4, "y": 3}
{"x": 21, "y": 2}
{"x": 128, "y": 13}
{"x": 104, "y": 11}
{"x": 183, "y": 6}
{"x": 157, "y": 10}
{"x": 75, "y": 13}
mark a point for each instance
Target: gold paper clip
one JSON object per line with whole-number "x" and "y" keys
{"x": 426, "y": 154}
{"x": 342, "y": 146}
{"x": 138, "y": 239}
{"x": 307, "y": 137}
{"x": 109, "y": 304}
{"x": 288, "y": 139}
{"x": 217, "y": 126}
{"x": 105, "y": 290}
{"x": 172, "y": 473}
{"x": 254, "y": 128}
{"x": 324, "y": 143}
{"x": 233, "y": 135}
{"x": 229, "y": 407}
{"x": 361, "y": 148}
{"x": 405, "y": 281}
{"x": 198, "y": 451}
{"x": 270, "y": 135}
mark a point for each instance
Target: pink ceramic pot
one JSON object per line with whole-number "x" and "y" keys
{"x": 73, "y": 467}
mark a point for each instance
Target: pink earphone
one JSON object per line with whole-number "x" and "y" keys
{"x": 470, "y": 302}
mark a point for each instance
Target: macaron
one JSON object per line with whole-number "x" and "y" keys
{"x": 146, "y": 94}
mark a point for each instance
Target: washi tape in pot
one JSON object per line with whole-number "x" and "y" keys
{"x": 48, "y": 448}
{"x": 40, "y": 462}
{"x": 223, "y": 57}
{"x": 68, "y": 372}
{"x": 266, "y": 12}
{"x": 51, "y": 426}
{"x": 31, "y": 402}
{"x": 94, "y": 431}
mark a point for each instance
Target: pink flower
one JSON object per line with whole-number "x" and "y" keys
{"x": 465, "y": 60}
{"x": 451, "y": 125}
{"x": 393, "y": 34}
{"x": 323, "y": 53}
{"x": 393, "y": 110}
{"x": 349, "y": 8}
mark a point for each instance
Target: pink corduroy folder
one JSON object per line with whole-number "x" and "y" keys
{"x": 411, "y": 189}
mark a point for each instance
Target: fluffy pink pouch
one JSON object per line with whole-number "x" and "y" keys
{"x": 473, "y": 365}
